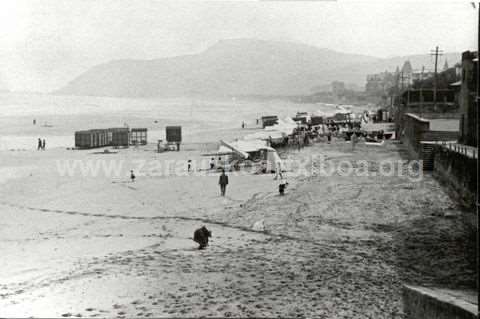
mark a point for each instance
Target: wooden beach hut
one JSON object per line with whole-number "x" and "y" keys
{"x": 120, "y": 136}
{"x": 174, "y": 135}
{"x": 91, "y": 138}
{"x": 138, "y": 136}
{"x": 269, "y": 120}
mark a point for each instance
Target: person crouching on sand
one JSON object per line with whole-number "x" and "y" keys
{"x": 223, "y": 182}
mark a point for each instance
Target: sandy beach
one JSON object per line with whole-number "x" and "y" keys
{"x": 333, "y": 246}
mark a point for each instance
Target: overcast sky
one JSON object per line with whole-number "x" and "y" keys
{"x": 46, "y": 43}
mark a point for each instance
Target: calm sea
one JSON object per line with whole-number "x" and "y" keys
{"x": 58, "y": 117}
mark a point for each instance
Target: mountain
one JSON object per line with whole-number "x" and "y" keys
{"x": 236, "y": 67}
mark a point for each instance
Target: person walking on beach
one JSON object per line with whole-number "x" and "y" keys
{"x": 278, "y": 170}
{"x": 354, "y": 140}
{"x": 39, "y": 146}
{"x": 189, "y": 165}
{"x": 132, "y": 176}
{"x": 43, "y": 145}
{"x": 212, "y": 163}
{"x": 223, "y": 182}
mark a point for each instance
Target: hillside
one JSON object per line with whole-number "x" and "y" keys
{"x": 229, "y": 68}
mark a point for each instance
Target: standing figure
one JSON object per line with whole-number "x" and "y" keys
{"x": 281, "y": 187}
{"x": 132, "y": 176}
{"x": 223, "y": 182}
{"x": 212, "y": 163}
{"x": 278, "y": 170}
{"x": 39, "y": 147}
{"x": 354, "y": 141}
{"x": 189, "y": 165}
{"x": 43, "y": 145}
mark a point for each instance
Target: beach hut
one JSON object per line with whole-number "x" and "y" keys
{"x": 91, "y": 138}
{"x": 174, "y": 135}
{"x": 119, "y": 136}
{"x": 83, "y": 139}
{"x": 269, "y": 120}
{"x": 138, "y": 136}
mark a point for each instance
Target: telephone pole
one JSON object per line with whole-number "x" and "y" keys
{"x": 421, "y": 90}
{"x": 436, "y": 53}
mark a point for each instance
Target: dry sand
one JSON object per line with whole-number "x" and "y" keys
{"x": 333, "y": 247}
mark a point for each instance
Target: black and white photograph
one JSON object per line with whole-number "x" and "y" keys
{"x": 239, "y": 159}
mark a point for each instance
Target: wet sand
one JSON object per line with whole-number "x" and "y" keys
{"x": 333, "y": 246}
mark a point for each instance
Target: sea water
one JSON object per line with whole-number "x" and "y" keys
{"x": 58, "y": 117}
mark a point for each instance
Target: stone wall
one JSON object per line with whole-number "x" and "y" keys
{"x": 458, "y": 172}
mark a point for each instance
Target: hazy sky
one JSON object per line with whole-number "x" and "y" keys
{"x": 46, "y": 43}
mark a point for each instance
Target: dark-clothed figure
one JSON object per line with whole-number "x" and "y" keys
{"x": 43, "y": 145}
{"x": 212, "y": 163}
{"x": 39, "y": 147}
{"x": 132, "y": 176}
{"x": 201, "y": 235}
{"x": 282, "y": 186}
{"x": 223, "y": 182}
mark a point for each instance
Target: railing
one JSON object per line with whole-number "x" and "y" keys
{"x": 466, "y": 150}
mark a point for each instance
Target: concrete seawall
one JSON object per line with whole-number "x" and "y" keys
{"x": 432, "y": 303}
{"x": 458, "y": 172}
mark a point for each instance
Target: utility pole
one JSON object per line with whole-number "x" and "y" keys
{"x": 403, "y": 77}
{"x": 436, "y": 53}
{"x": 421, "y": 90}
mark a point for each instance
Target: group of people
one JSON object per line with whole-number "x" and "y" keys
{"x": 41, "y": 144}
